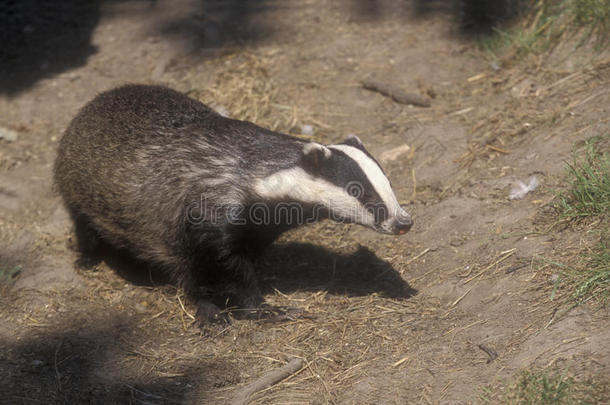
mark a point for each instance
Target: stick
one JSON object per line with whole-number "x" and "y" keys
{"x": 509, "y": 253}
{"x": 490, "y": 352}
{"x": 184, "y": 309}
{"x": 399, "y": 362}
{"x": 395, "y": 93}
{"x": 463, "y": 295}
{"x": 269, "y": 379}
{"x": 418, "y": 256}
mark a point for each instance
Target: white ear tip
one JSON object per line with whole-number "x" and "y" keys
{"x": 312, "y": 146}
{"x": 354, "y": 138}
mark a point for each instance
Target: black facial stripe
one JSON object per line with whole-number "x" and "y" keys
{"x": 366, "y": 152}
{"x": 341, "y": 170}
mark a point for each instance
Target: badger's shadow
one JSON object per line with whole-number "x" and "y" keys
{"x": 290, "y": 267}
{"x": 293, "y": 267}
{"x": 125, "y": 265}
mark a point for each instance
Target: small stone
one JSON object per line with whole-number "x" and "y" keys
{"x": 307, "y": 130}
{"x": 8, "y": 134}
{"x": 394, "y": 153}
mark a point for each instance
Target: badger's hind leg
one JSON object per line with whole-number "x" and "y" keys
{"x": 88, "y": 243}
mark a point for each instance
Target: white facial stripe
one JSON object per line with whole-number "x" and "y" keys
{"x": 298, "y": 185}
{"x": 375, "y": 176}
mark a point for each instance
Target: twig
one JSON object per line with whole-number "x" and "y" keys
{"x": 476, "y": 77}
{"x": 418, "y": 256}
{"x": 581, "y": 102}
{"x": 495, "y": 148}
{"x": 490, "y": 352}
{"x": 414, "y": 184}
{"x": 463, "y": 295}
{"x": 184, "y": 309}
{"x": 465, "y": 327}
{"x": 395, "y": 93}
{"x": 399, "y": 362}
{"x": 509, "y": 253}
{"x": 462, "y": 111}
{"x": 269, "y": 379}
{"x": 516, "y": 267}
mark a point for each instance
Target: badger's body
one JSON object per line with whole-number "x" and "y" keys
{"x": 163, "y": 176}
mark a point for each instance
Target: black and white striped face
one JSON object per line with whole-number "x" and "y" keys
{"x": 347, "y": 181}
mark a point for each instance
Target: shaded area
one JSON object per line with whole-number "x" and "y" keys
{"x": 290, "y": 267}
{"x": 123, "y": 263}
{"x": 298, "y": 266}
{"x": 87, "y": 360}
{"x": 472, "y": 16}
{"x": 366, "y": 10}
{"x": 43, "y": 37}
{"x": 217, "y": 23}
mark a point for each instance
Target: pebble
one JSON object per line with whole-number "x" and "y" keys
{"x": 394, "y": 153}
{"x": 307, "y": 130}
{"x": 8, "y": 134}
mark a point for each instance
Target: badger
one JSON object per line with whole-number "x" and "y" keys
{"x": 150, "y": 171}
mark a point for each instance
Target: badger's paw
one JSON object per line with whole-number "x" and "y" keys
{"x": 209, "y": 313}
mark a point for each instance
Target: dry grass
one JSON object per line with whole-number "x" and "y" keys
{"x": 534, "y": 106}
{"x": 245, "y": 90}
{"x": 549, "y": 387}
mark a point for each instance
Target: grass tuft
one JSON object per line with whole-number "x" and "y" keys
{"x": 541, "y": 388}
{"x": 546, "y": 388}
{"x": 588, "y": 197}
{"x": 589, "y": 193}
{"x": 548, "y": 21}
{"x": 594, "y": 279}
{"x": 8, "y": 274}
{"x": 594, "y": 14}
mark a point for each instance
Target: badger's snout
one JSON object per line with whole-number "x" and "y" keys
{"x": 397, "y": 225}
{"x": 403, "y": 225}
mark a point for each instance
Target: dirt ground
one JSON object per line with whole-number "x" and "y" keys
{"x": 390, "y": 320}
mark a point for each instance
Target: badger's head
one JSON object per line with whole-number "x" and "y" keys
{"x": 346, "y": 181}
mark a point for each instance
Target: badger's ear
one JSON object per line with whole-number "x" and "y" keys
{"x": 353, "y": 140}
{"x": 314, "y": 153}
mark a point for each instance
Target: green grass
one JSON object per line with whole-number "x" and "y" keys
{"x": 7, "y": 274}
{"x": 589, "y": 178}
{"x": 586, "y": 201}
{"x": 594, "y": 15}
{"x": 547, "y": 21}
{"x": 593, "y": 282}
{"x": 547, "y": 388}
{"x": 539, "y": 388}
{"x": 588, "y": 198}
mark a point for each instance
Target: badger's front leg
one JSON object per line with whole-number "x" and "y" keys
{"x": 241, "y": 284}
{"x": 228, "y": 284}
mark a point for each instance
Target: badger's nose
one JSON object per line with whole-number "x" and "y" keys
{"x": 403, "y": 224}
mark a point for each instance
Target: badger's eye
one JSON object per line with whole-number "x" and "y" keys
{"x": 354, "y": 189}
